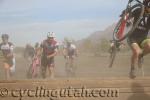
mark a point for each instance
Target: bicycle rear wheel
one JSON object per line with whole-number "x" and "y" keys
{"x": 127, "y": 24}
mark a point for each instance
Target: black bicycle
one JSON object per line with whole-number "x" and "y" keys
{"x": 113, "y": 50}
{"x": 126, "y": 24}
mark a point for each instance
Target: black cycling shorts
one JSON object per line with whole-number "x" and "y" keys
{"x": 47, "y": 61}
{"x": 9, "y": 62}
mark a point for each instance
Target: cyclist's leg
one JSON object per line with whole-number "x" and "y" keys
{"x": 43, "y": 66}
{"x": 51, "y": 65}
{"x": 73, "y": 66}
{"x": 111, "y": 51}
{"x": 7, "y": 65}
{"x": 72, "y": 61}
{"x": 13, "y": 68}
{"x": 67, "y": 61}
{"x": 136, "y": 51}
{"x": 36, "y": 64}
{"x": 146, "y": 47}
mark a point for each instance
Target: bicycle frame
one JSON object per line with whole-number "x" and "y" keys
{"x": 126, "y": 16}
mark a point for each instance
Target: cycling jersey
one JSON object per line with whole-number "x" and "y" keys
{"x": 71, "y": 50}
{"x": 49, "y": 47}
{"x": 7, "y": 48}
{"x": 141, "y": 32}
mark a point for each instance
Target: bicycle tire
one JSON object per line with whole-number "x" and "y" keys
{"x": 113, "y": 55}
{"x": 29, "y": 72}
{"x": 133, "y": 28}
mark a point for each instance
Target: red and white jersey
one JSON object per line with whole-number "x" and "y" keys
{"x": 6, "y": 48}
{"x": 49, "y": 47}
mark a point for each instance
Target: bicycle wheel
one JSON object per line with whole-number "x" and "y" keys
{"x": 29, "y": 72}
{"x": 113, "y": 55}
{"x": 70, "y": 69}
{"x": 127, "y": 24}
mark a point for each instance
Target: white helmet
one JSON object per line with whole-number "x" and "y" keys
{"x": 51, "y": 34}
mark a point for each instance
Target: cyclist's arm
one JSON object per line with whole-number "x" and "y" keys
{"x": 41, "y": 47}
{"x": 53, "y": 54}
{"x": 135, "y": 14}
{"x": 11, "y": 51}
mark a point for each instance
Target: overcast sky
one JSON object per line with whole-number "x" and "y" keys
{"x": 29, "y": 20}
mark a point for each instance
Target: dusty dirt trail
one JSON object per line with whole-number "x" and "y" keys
{"x": 87, "y": 67}
{"x": 92, "y": 73}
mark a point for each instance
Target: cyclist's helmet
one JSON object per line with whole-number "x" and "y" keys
{"x": 51, "y": 35}
{"x": 5, "y": 36}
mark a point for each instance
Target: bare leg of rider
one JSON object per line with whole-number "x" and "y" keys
{"x": 136, "y": 51}
{"x": 51, "y": 71}
{"x": 7, "y": 70}
{"x": 146, "y": 49}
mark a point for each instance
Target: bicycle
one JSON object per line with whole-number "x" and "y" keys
{"x": 113, "y": 50}
{"x": 126, "y": 25}
{"x": 70, "y": 66}
{"x": 34, "y": 67}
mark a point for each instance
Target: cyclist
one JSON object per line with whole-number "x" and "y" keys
{"x": 29, "y": 52}
{"x": 70, "y": 52}
{"x": 49, "y": 51}
{"x": 7, "y": 50}
{"x": 138, "y": 40}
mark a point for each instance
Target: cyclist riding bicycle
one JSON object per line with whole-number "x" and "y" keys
{"x": 70, "y": 52}
{"x": 7, "y": 50}
{"x": 138, "y": 40}
{"x": 49, "y": 51}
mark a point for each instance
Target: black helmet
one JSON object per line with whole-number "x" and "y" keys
{"x": 5, "y": 36}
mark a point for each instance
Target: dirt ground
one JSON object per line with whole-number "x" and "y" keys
{"x": 92, "y": 72}
{"x": 88, "y": 66}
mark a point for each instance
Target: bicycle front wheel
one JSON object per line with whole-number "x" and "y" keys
{"x": 112, "y": 56}
{"x": 127, "y": 24}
